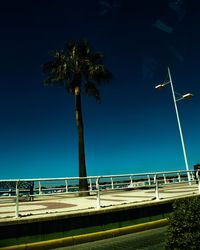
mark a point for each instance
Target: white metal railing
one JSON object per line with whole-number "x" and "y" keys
{"x": 97, "y": 184}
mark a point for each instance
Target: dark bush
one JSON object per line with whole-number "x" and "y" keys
{"x": 184, "y": 225}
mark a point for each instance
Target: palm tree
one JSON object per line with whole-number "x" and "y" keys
{"x": 78, "y": 68}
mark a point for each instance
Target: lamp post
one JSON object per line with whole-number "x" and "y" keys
{"x": 185, "y": 96}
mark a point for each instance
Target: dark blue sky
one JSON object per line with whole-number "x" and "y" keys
{"x": 134, "y": 129}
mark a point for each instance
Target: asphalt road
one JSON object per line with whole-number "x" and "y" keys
{"x": 153, "y": 239}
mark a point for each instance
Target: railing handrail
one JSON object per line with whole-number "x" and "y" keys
{"x": 95, "y": 177}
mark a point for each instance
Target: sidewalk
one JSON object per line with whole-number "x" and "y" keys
{"x": 63, "y": 203}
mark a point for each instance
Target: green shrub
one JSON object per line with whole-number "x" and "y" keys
{"x": 184, "y": 225}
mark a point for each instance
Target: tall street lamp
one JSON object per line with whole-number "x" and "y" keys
{"x": 176, "y": 99}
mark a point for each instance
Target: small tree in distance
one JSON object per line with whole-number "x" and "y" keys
{"x": 79, "y": 69}
{"x": 184, "y": 225}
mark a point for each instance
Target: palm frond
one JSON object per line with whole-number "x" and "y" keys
{"x": 100, "y": 73}
{"x": 97, "y": 57}
{"x": 83, "y": 48}
{"x": 91, "y": 90}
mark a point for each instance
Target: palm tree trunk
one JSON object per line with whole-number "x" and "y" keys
{"x": 83, "y": 184}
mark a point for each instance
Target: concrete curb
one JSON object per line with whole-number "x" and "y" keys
{"x": 78, "y": 239}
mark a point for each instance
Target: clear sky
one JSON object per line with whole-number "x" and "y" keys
{"x": 134, "y": 129}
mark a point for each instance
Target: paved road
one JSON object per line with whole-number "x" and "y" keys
{"x": 153, "y": 239}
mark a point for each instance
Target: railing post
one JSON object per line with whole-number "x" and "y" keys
{"x": 179, "y": 177}
{"x": 154, "y": 178}
{"x": 40, "y": 187}
{"x": 90, "y": 181}
{"x": 66, "y": 186}
{"x": 149, "y": 180}
{"x": 97, "y": 184}
{"x": 98, "y": 193}
{"x": 192, "y": 175}
{"x": 165, "y": 180}
{"x": 157, "y": 191}
{"x": 131, "y": 183}
{"x": 17, "y": 200}
{"x": 199, "y": 185}
{"x": 198, "y": 179}
{"x": 112, "y": 184}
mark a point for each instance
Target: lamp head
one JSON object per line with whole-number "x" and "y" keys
{"x": 188, "y": 96}
{"x": 159, "y": 86}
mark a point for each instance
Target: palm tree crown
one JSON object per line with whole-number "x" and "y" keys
{"x": 75, "y": 66}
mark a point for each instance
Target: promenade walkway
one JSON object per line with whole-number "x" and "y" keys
{"x": 63, "y": 203}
